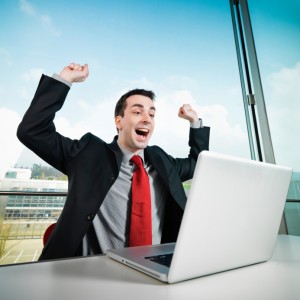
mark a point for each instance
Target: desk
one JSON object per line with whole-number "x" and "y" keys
{"x": 99, "y": 277}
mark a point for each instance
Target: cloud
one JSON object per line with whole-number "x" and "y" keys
{"x": 11, "y": 148}
{"x": 49, "y": 26}
{"x": 65, "y": 128}
{"x": 31, "y": 79}
{"x": 283, "y": 105}
{"x": 5, "y": 57}
{"x": 97, "y": 119}
{"x": 285, "y": 87}
{"x": 171, "y": 132}
{"x": 26, "y": 7}
{"x": 180, "y": 81}
{"x": 45, "y": 20}
{"x": 226, "y": 136}
{"x": 227, "y": 133}
{"x": 33, "y": 75}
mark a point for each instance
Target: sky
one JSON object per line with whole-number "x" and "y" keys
{"x": 183, "y": 50}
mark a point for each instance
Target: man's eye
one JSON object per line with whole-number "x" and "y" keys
{"x": 152, "y": 116}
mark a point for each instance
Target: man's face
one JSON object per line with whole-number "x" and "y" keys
{"x": 137, "y": 124}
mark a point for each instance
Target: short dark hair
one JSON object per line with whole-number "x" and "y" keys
{"x": 121, "y": 104}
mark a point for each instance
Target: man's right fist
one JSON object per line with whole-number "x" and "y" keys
{"x": 75, "y": 72}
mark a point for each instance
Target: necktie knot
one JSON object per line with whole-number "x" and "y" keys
{"x": 137, "y": 160}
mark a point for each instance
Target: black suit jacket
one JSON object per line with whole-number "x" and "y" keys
{"x": 92, "y": 166}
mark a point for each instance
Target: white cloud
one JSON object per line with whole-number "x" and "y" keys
{"x": 225, "y": 136}
{"x": 285, "y": 87}
{"x": 24, "y": 93}
{"x": 144, "y": 82}
{"x": 31, "y": 79}
{"x": 283, "y": 106}
{"x": 32, "y": 75}
{"x": 95, "y": 118}
{"x": 180, "y": 81}
{"x": 5, "y": 57}
{"x": 26, "y": 7}
{"x": 182, "y": 97}
{"x": 64, "y": 127}
{"x": 11, "y": 148}
{"x": 49, "y": 26}
{"x": 45, "y": 20}
{"x": 171, "y": 132}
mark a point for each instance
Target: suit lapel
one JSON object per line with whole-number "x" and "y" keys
{"x": 157, "y": 163}
{"x": 117, "y": 151}
{"x": 172, "y": 183}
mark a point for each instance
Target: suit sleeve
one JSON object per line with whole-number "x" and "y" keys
{"x": 37, "y": 130}
{"x": 198, "y": 141}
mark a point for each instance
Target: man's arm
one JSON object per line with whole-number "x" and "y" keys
{"x": 198, "y": 141}
{"x": 37, "y": 130}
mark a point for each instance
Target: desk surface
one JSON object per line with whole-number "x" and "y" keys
{"x": 99, "y": 277}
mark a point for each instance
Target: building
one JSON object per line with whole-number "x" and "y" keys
{"x": 26, "y": 216}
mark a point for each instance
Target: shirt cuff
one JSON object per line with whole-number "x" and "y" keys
{"x": 197, "y": 124}
{"x": 59, "y": 78}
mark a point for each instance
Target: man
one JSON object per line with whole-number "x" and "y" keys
{"x": 96, "y": 215}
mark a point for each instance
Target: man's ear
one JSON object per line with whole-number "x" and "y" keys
{"x": 118, "y": 124}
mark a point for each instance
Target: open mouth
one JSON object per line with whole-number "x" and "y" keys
{"x": 143, "y": 132}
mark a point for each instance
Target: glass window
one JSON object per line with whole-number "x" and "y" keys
{"x": 276, "y": 30}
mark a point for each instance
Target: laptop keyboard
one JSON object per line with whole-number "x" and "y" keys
{"x": 163, "y": 259}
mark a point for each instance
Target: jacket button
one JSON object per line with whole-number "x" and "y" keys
{"x": 111, "y": 179}
{"x": 90, "y": 217}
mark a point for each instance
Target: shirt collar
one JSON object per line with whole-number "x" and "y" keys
{"x": 127, "y": 155}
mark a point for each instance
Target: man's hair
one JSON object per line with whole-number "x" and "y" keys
{"x": 121, "y": 104}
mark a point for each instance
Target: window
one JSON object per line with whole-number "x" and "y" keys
{"x": 279, "y": 62}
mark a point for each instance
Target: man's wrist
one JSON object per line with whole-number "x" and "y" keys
{"x": 59, "y": 78}
{"x": 197, "y": 124}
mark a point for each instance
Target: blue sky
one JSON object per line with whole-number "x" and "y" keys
{"x": 183, "y": 50}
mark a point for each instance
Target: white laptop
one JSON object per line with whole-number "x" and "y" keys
{"x": 231, "y": 220}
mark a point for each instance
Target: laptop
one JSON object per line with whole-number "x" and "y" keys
{"x": 231, "y": 219}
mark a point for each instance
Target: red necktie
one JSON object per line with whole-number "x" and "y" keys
{"x": 140, "y": 222}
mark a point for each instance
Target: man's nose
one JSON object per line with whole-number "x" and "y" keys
{"x": 146, "y": 118}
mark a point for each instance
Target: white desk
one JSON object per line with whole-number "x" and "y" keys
{"x": 99, "y": 277}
